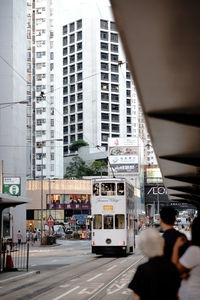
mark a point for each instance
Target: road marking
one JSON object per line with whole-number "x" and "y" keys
{"x": 33, "y": 265}
{"x": 54, "y": 260}
{"x": 123, "y": 261}
{"x": 109, "y": 283}
{"x": 67, "y": 293}
{"x": 14, "y": 277}
{"x": 111, "y": 268}
{"x": 64, "y": 285}
{"x": 95, "y": 277}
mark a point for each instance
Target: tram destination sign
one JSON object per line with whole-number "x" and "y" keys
{"x": 12, "y": 186}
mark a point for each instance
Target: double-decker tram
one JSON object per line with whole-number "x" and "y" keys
{"x": 112, "y": 209}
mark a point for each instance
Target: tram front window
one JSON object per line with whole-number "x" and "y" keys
{"x": 120, "y": 189}
{"x": 108, "y": 222}
{"x": 119, "y": 222}
{"x": 97, "y": 222}
{"x": 96, "y": 189}
{"x": 108, "y": 189}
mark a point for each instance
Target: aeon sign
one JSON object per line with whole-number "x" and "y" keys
{"x": 157, "y": 190}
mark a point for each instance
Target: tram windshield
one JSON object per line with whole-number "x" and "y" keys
{"x": 108, "y": 189}
{"x": 120, "y": 188}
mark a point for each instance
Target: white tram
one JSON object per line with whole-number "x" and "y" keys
{"x": 112, "y": 209}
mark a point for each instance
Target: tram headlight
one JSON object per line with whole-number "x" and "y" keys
{"x": 108, "y": 241}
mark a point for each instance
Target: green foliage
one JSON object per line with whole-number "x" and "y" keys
{"x": 78, "y": 168}
{"x": 76, "y": 145}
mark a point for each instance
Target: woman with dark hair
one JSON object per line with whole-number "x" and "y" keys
{"x": 189, "y": 263}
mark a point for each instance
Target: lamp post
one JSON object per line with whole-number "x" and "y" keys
{"x": 41, "y": 197}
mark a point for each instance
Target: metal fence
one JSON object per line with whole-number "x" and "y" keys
{"x": 14, "y": 256}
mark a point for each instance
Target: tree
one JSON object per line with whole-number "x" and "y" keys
{"x": 77, "y": 144}
{"x": 78, "y": 168}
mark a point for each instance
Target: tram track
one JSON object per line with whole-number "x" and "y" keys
{"x": 72, "y": 272}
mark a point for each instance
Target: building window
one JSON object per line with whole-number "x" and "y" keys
{"x": 72, "y": 78}
{"x": 65, "y": 61}
{"x": 72, "y": 88}
{"x": 114, "y": 48}
{"x": 80, "y": 117}
{"x": 128, "y": 84}
{"x": 72, "y": 108}
{"x": 72, "y": 59}
{"x": 72, "y": 49}
{"x": 128, "y": 111}
{"x": 115, "y": 118}
{"x": 79, "y": 46}
{"x": 104, "y": 137}
{"x": 104, "y": 35}
{"x": 65, "y": 80}
{"x": 115, "y": 107}
{"x": 128, "y": 102}
{"x": 104, "y": 24}
{"x": 52, "y": 156}
{"x": 64, "y": 29}
{"x": 65, "y": 130}
{"x": 79, "y": 66}
{"x": 104, "y": 66}
{"x": 79, "y": 24}
{"x": 128, "y": 120}
{"x": 79, "y": 76}
{"x": 105, "y": 106}
{"x": 65, "y": 100}
{"x": 104, "y": 56}
{"x": 104, "y": 117}
{"x": 80, "y": 127}
{"x": 104, "y": 76}
{"x": 71, "y": 27}
{"x": 72, "y": 128}
{"x": 72, "y": 98}
{"x": 115, "y": 128}
{"x": 128, "y": 93}
{"x": 65, "y": 139}
{"x": 104, "y": 126}
{"x": 114, "y": 98}
{"x": 72, "y": 68}
{"x": 114, "y": 57}
{"x": 128, "y": 76}
{"x": 79, "y": 86}
{"x": 80, "y": 136}
{"x": 79, "y": 56}
{"x": 80, "y": 106}
{"x": 72, "y": 138}
{"x": 104, "y": 46}
{"x": 79, "y": 35}
{"x": 114, "y": 37}
{"x": 65, "y": 70}
{"x": 65, "y": 41}
{"x": 65, "y": 120}
{"x": 114, "y": 78}
{"x": 65, "y": 90}
{"x": 114, "y": 68}
{"x": 65, "y": 111}
{"x": 66, "y": 149}
{"x": 128, "y": 129}
{"x": 104, "y": 86}
{"x": 114, "y": 87}
{"x": 105, "y": 96}
{"x": 79, "y": 96}
{"x": 113, "y": 26}
{"x": 71, "y": 38}
{"x": 72, "y": 118}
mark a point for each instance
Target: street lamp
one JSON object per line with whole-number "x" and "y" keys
{"x": 42, "y": 208}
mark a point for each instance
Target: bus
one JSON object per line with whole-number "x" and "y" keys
{"x": 112, "y": 210}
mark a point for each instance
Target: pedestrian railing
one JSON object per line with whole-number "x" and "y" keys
{"x": 14, "y": 256}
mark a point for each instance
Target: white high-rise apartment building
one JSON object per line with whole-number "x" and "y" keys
{"x": 80, "y": 83}
{"x": 99, "y": 98}
{"x": 45, "y": 120}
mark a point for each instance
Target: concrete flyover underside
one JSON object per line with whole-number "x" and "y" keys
{"x": 162, "y": 43}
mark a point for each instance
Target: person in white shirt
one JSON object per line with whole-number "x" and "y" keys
{"x": 189, "y": 264}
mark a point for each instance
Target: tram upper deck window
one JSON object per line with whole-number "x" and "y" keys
{"x": 119, "y": 222}
{"x": 96, "y": 189}
{"x": 97, "y": 222}
{"x": 120, "y": 189}
{"x": 108, "y": 222}
{"x": 108, "y": 189}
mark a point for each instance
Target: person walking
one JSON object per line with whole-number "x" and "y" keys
{"x": 158, "y": 278}
{"x": 189, "y": 264}
{"x": 167, "y": 220}
{"x": 19, "y": 237}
